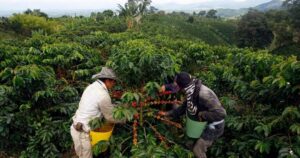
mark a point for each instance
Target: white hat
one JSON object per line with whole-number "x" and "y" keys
{"x": 105, "y": 73}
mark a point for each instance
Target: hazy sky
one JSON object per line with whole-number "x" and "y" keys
{"x": 112, "y": 4}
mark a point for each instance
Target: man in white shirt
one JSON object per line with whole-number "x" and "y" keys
{"x": 95, "y": 102}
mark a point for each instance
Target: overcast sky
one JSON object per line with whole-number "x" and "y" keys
{"x": 112, "y": 4}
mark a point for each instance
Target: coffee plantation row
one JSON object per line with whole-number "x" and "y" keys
{"x": 43, "y": 77}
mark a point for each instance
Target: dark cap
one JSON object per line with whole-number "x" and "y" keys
{"x": 183, "y": 79}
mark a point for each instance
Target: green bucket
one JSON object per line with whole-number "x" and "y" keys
{"x": 194, "y": 129}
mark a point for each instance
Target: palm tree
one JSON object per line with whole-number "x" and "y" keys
{"x": 133, "y": 10}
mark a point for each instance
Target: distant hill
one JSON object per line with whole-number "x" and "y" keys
{"x": 56, "y": 13}
{"x": 274, "y": 4}
{"x": 232, "y": 13}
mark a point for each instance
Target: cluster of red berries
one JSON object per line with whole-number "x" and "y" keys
{"x": 158, "y": 135}
{"x": 134, "y": 129}
{"x": 155, "y": 102}
{"x": 168, "y": 122}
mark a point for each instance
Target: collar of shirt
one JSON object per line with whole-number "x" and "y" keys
{"x": 102, "y": 84}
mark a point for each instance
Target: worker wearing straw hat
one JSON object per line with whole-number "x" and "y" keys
{"x": 95, "y": 102}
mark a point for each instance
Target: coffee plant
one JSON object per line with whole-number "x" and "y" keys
{"x": 43, "y": 76}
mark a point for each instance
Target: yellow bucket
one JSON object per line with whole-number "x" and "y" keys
{"x": 102, "y": 133}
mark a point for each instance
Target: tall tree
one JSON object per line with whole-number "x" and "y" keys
{"x": 293, "y": 7}
{"x": 253, "y": 30}
{"x": 4, "y": 23}
{"x": 108, "y": 13}
{"x": 36, "y": 12}
{"x": 190, "y": 19}
{"x": 211, "y": 13}
{"x": 202, "y": 13}
{"x": 278, "y": 21}
{"x": 133, "y": 10}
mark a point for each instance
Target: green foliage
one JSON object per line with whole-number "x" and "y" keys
{"x": 278, "y": 21}
{"x": 39, "y": 93}
{"x": 129, "y": 97}
{"x": 211, "y": 13}
{"x": 262, "y": 147}
{"x": 190, "y": 19}
{"x": 123, "y": 113}
{"x": 134, "y": 8}
{"x": 138, "y": 61}
{"x": 149, "y": 151}
{"x": 96, "y": 123}
{"x": 292, "y": 49}
{"x": 295, "y": 128}
{"x": 287, "y": 152}
{"x": 196, "y": 56}
{"x": 211, "y": 31}
{"x": 25, "y": 24}
{"x": 36, "y": 12}
{"x": 152, "y": 89}
{"x": 147, "y": 147}
{"x": 95, "y": 39}
{"x": 100, "y": 147}
{"x": 253, "y": 30}
{"x": 293, "y": 8}
{"x": 202, "y": 13}
{"x": 42, "y": 77}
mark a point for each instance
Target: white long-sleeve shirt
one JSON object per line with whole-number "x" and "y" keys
{"x": 95, "y": 102}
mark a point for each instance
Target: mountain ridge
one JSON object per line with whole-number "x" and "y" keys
{"x": 233, "y": 13}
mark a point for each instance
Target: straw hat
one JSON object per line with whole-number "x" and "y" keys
{"x": 105, "y": 73}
